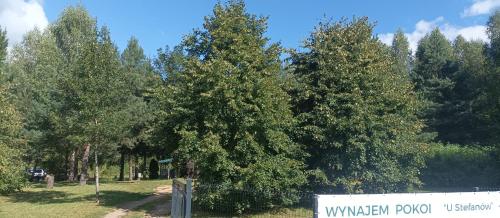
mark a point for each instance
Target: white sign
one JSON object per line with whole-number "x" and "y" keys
{"x": 411, "y": 205}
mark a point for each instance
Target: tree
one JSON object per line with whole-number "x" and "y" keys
{"x": 95, "y": 84}
{"x": 493, "y": 31}
{"x": 73, "y": 30}
{"x": 153, "y": 169}
{"x": 230, "y": 117}
{"x": 12, "y": 176}
{"x": 141, "y": 82}
{"x": 401, "y": 52}
{"x": 490, "y": 100}
{"x": 11, "y": 164}
{"x": 458, "y": 119}
{"x": 3, "y": 47}
{"x": 432, "y": 77}
{"x": 34, "y": 69}
{"x": 356, "y": 112}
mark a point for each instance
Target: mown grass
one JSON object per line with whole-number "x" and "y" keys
{"x": 283, "y": 212}
{"x": 72, "y": 200}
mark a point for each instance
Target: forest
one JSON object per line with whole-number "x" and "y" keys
{"x": 345, "y": 113}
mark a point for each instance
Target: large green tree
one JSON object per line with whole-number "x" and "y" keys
{"x": 491, "y": 99}
{"x": 34, "y": 69}
{"x": 432, "y": 77}
{"x": 11, "y": 164}
{"x": 73, "y": 30}
{"x": 229, "y": 115}
{"x": 94, "y": 87}
{"x": 459, "y": 120}
{"x": 357, "y": 113}
{"x": 141, "y": 83}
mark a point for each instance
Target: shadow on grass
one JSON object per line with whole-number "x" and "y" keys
{"x": 107, "y": 198}
{"x": 42, "y": 197}
{"x": 116, "y": 198}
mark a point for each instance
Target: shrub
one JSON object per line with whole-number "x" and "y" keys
{"x": 455, "y": 166}
{"x": 153, "y": 169}
{"x": 12, "y": 176}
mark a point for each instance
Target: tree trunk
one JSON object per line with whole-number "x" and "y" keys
{"x": 75, "y": 169}
{"x": 96, "y": 176}
{"x": 71, "y": 170}
{"x": 144, "y": 164}
{"x": 122, "y": 166}
{"x": 85, "y": 164}
{"x": 136, "y": 167}
{"x": 130, "y": 167}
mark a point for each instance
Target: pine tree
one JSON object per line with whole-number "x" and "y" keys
{"x": 432, "y": 76}
{"x": 459, "y": 121}
{"x": 141, "y": 81}
{"x": 229, "y": 115}
{"x": 357, "y": 113}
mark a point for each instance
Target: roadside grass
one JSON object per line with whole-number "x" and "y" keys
{"x": 283, "y": 212}
{"x": 72, "y": 200}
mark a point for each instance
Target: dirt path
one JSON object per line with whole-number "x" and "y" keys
{"x": 159, "y": 211}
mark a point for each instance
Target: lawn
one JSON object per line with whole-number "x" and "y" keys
{"x": 72, "y": 200}
{"x": 285, "y": 212}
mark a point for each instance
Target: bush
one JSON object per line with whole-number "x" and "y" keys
{"x": 455, "y": 166}
{"x": 153, "y": 169}
{"x": 12, "y": 177}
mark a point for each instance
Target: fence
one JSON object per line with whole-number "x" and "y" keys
{"x": 219, "y": 201}
{"x": 229, "y": 201}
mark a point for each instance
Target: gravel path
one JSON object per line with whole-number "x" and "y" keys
{"x": 158, "y": 211}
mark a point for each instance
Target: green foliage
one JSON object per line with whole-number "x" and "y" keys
{"x": 462, "y": 108}
{"x": 227, "y": 112}
{"x": 434, "y": 67}
{"x": 3, "y": 48}
{"x": 460, "y": 166}
{"x": 357, "y": 113}
{"x": 12, "y": 176}
{"x": 141, "y": 82}
{"x": 153, "y": 169}
{"x": 11, "y": 165}
{"x": 490, "y": 103}
{"x": 34, "y": 69}
{"x": 493, "y": 31}
{"x": 93, "y": 88}
{"x": 401, "y": 53}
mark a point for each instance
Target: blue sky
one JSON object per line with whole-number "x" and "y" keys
{"x": 160, "y": 23}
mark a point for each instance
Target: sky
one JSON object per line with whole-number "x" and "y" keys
{"x": 164, "y": 23}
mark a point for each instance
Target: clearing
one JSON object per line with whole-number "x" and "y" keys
{"x": 72, "y": 200}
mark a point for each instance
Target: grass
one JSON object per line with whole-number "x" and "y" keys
{"x": 72, "y": 200}
{"x": 283, "y": 212}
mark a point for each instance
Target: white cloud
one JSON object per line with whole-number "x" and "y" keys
{"x": 481, "y": 7}
{"x": 423, "y": 27}
{"x": 20, "y": 16}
